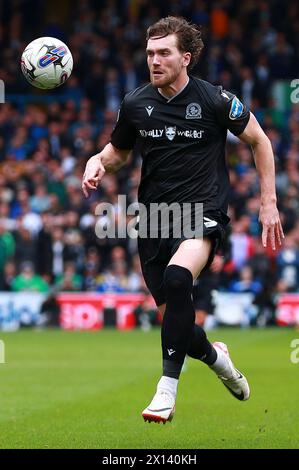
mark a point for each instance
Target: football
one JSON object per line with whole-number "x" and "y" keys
{"x": 46, "y": 63}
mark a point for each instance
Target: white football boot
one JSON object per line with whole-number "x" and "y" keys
{"x": 161, "y": 408}
{"x": 231, "y": 377}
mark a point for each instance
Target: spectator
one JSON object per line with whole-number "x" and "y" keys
{"x": 7, "y": 275}
{"x": 114, "y": 279}
{"x": 25, "y": 245}
{"x": 69, "y": 280}
{"x": 40, "y": 202}
{"x": 246, "y": 282}
{"x": 242, "y": 243}
{"x": 7, "y": 245}
{"x": 288, "y": 265}
{"x": 260, "y": 263}
{"x": 92, "y": 269}
{"x": 27, "y": 280}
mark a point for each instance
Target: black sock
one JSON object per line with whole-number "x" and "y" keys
{"x": 178, "y": 320}
{"x": 200, "y": 347}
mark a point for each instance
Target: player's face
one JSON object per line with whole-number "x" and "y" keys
{"x": 165, "y": 62}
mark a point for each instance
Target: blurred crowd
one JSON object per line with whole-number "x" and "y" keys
{"x": 48, "y": 230}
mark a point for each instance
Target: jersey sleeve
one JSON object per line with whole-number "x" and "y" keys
{"x": 124, "y": 133}
{"x": 231, "y": 112}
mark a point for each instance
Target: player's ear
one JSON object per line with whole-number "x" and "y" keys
{"x": 186, "y": 59}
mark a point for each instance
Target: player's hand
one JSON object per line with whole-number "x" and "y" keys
{"x": 217, "y": 264}
{"x": 94, "y": 172}
{"x": 272, "y": 229}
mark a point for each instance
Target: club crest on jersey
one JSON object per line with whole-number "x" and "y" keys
{"x": 236, "y": 109}
{"x": 170, "y": 132}
{"x": 193, "y": 111}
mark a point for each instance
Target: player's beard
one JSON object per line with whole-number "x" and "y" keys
{"x": 167, "y": 77}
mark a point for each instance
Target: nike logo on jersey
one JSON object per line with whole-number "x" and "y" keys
{"x": 170, "y": 351}
{"x": 209, "y": 222}
{"x": 149, "y": 109}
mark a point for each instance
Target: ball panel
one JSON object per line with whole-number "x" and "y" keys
{"x": 46, "y": 63}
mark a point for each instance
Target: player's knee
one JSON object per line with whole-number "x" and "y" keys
{"x": 178, "y": 281}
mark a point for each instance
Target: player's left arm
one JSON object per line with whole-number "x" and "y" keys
{"x": 254, "y": 135}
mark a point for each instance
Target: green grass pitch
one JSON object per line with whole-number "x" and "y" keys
{"x": 87, "y": 390}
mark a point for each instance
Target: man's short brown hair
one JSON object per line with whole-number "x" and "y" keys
{"x": 188, "y": 35}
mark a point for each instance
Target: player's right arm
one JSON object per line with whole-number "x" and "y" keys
{"x": 110, "y": 159}
{"x": 114, "y": 155}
